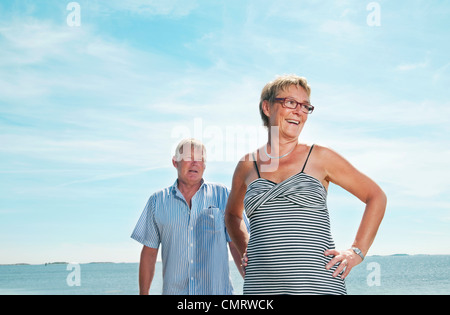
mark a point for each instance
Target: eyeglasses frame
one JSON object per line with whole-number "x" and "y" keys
{"x": 283, "y": 101}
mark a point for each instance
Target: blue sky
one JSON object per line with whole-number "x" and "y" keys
{"x": 90, "y": 114}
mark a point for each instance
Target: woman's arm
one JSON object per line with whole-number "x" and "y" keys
{"x": 234, "y": 220}
{"x": 237, "y": 259}
{"x": 342, "y": 173}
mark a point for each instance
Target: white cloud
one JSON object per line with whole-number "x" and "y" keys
{"x": 345, "y": 103}
{"x": 413, "y": 66}
{"x": 32, "y": 41}
{"x": 173, "y": 8}
{"x": 342, "y": 29}
{"x": 440, "y": 74}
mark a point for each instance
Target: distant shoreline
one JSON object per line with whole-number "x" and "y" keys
{"x": 67, "y": 263}
{"x": 112, "y": 262}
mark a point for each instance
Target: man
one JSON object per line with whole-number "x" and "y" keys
{"x": 187, "y": 219}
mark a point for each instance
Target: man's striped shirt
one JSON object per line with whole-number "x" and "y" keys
{"x": 193, "y": 240}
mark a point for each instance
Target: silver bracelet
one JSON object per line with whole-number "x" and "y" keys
{"x": 358, "y": 252}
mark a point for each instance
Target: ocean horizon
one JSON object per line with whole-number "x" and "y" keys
{"x": 134, "y": 262}
{"x": 398, "y": 274}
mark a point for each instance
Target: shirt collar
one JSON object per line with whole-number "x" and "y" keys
{"x": 174, "y": 188}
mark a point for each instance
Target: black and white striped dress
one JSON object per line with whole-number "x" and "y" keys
{"x": 289, "y": 233}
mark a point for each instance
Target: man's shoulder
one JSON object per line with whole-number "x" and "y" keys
{"x": 217, "y": 186}
{"x": 161, "y": 193}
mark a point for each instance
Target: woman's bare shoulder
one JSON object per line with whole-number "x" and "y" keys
{"x": 246, "y": 162}
{"x": 245, "y": 168}
{"x": 326, "y": 153}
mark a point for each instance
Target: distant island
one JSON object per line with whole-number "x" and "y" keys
{"x": 56, "y": 263}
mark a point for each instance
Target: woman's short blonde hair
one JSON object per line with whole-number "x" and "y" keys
{"x": 189, "y": 143}
{"x": 271, "y": 90}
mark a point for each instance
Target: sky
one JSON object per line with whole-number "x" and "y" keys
{"x": 95, "y": 95}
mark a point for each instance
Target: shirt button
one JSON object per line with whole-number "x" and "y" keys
{"x": 192, "y": 261}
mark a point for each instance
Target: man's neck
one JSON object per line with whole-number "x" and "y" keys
{"x": 188, "y": 190}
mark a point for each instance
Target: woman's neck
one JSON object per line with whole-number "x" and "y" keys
{"x": 277, "y": 146}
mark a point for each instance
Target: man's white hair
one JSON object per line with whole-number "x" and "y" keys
{"x": 189, "y": 144}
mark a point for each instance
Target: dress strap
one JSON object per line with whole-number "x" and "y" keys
{"x": 307, "y": 158}
{"x": 256, "y": 165}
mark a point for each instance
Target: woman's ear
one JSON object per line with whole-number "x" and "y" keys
{"x": 266, "y": 108}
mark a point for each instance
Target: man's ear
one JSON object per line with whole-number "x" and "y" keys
{"x": 174, "y": 162}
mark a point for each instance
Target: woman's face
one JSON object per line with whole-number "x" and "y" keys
{"x": 290, "y": 122}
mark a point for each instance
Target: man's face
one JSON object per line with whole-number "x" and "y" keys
{"x": 191, "y": 166}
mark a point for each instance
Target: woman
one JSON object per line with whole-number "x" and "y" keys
{"x": 283, "y": 188}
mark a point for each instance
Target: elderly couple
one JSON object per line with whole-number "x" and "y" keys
{"x": 281, "y": 188}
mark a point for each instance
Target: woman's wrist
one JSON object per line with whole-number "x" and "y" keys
{"x": 358, "y": 252}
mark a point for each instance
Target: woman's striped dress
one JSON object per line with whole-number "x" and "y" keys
{"x": 289, "y": 233}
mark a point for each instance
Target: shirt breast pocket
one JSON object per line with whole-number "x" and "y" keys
{"x": 211, "y": 220}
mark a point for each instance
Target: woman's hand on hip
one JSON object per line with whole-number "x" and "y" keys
{"x": 347, "y": 259}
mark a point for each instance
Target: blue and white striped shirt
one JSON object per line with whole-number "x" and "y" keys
{"x": 193, "y": 241}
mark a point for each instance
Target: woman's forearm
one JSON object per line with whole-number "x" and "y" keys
{"x": 373, "y": 215}
{"x": 237, "y": 230}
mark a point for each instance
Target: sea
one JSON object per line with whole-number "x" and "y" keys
{"x": 377, "y": 275}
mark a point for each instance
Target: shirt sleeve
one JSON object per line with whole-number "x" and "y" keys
{"x": 146, "y": 231}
